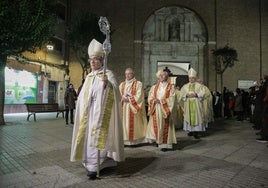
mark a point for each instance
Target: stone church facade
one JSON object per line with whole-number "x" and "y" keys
{"x": 154, "y": 34}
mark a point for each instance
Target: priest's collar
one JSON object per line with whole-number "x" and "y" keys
{"x": 129, "y": 81}
{"x": 163, "y": 83}
{"x": 95, "y": 72}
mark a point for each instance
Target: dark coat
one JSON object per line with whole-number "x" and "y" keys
{"x": 70, "y": 98}
{"x": 238, "y": 106}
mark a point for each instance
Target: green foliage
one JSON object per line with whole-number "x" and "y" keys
{"x": 25, "y": 25}
{"x": 81, "y": 33}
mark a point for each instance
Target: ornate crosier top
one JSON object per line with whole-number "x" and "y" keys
{"x": 105, "y": 29}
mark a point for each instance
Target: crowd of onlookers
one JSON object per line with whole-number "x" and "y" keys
{"x": 259, "y": 95}
{"x": 251, "y": 105}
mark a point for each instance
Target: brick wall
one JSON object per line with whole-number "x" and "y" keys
{"x": 236, "y": 22}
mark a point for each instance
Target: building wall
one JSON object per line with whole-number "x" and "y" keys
{"x": 264, "y": 36}
{"x": 236, "y": 22}
{"x": 75, "y": 74}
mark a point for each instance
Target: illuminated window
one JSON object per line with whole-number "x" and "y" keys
{"x": 20, "y": 87}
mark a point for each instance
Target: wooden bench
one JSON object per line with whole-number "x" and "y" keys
{"x": 43, "y": 108}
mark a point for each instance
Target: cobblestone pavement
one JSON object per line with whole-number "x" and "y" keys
{"x": 36, "y": 154}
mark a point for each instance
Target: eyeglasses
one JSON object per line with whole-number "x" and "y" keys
{"x": 94, "y": 59}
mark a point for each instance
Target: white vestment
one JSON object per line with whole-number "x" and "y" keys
{"x": 161, "y": 126}
{"x": 134, "y": 115}
{"x": 207, "y": 106}
{"x": 178, "y": 110}
{"x": 193, "y": 109}
{"x": 98, "y": 124}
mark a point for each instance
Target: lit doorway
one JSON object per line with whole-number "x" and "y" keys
{"x": 178, "y": 71}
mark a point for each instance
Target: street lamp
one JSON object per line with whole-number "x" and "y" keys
{"x": 50, "y": 45}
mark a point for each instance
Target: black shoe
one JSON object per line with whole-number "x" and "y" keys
{"x": 195, "y": 134}
{"x": 196, "y": 137}
{"x": 66, "y": 123}
{"x": 203, "y": 134}
{"x": 258, "y": 133}
{"x": 92, "y": 175}
{"x": 72, "y": 122}
{"x": 155, "y": 145}
{"x": 164, "y": 149}
{"x": 190, "y": 134}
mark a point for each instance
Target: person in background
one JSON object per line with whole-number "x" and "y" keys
{"x": 226, "y": 96}
{"x": 264, "y": 114}
{"x": 70, "y": 98}
{"x": 98, "y": 132}
{"x": 231, "y": 103}
{"x": 238, "y": 106}
{"x": 133, "y": 108}
{"x": 207, "y": 104}
{"x": 252, "y": 98}
{"x": 178, "y": 111}
{"x": 245, "y": 104}
{"x": 218, "y": 105}
{"x": 146, "y": 93}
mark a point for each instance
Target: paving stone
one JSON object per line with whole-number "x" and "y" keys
{"x": 36, "y": 154}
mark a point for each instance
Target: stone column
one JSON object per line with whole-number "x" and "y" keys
{"x": 45, "y": 90}
{"x": 162, "y": 28}
{"x": 146, "y": 64}
{"x": 157, "y": 28}
{"x": 182, "y": 32}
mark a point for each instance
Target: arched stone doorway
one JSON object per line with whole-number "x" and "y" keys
{"x": 174, "y": 37}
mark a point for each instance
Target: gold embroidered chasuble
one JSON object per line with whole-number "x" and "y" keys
{"x": 98, "y": 121}
{"x": 134, "y": 115}
{"x": 193, "y": 110}
{"x": 207, "y": 105}
{"x": 161, "y": 126}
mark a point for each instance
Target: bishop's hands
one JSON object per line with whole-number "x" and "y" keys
{"x": 156, "y": 101}
{"x": 104, "y": 78}
{"x": 191, "y": 95}
{"x": 125, "y": 97}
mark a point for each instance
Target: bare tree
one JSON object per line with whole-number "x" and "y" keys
{"x": 224, "y": 57}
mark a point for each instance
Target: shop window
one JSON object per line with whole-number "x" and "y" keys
{"x": 20, "y": 86}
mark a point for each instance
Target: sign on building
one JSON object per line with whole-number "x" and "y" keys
{"x": 245, "y": 84}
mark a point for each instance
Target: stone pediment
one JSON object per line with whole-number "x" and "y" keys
{"x": 173, "y": 37}
{"x": 174, "y": 24}
{"x": 169, "y": 48}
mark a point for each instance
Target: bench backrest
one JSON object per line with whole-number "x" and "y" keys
{"x": 42, "y": 107}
